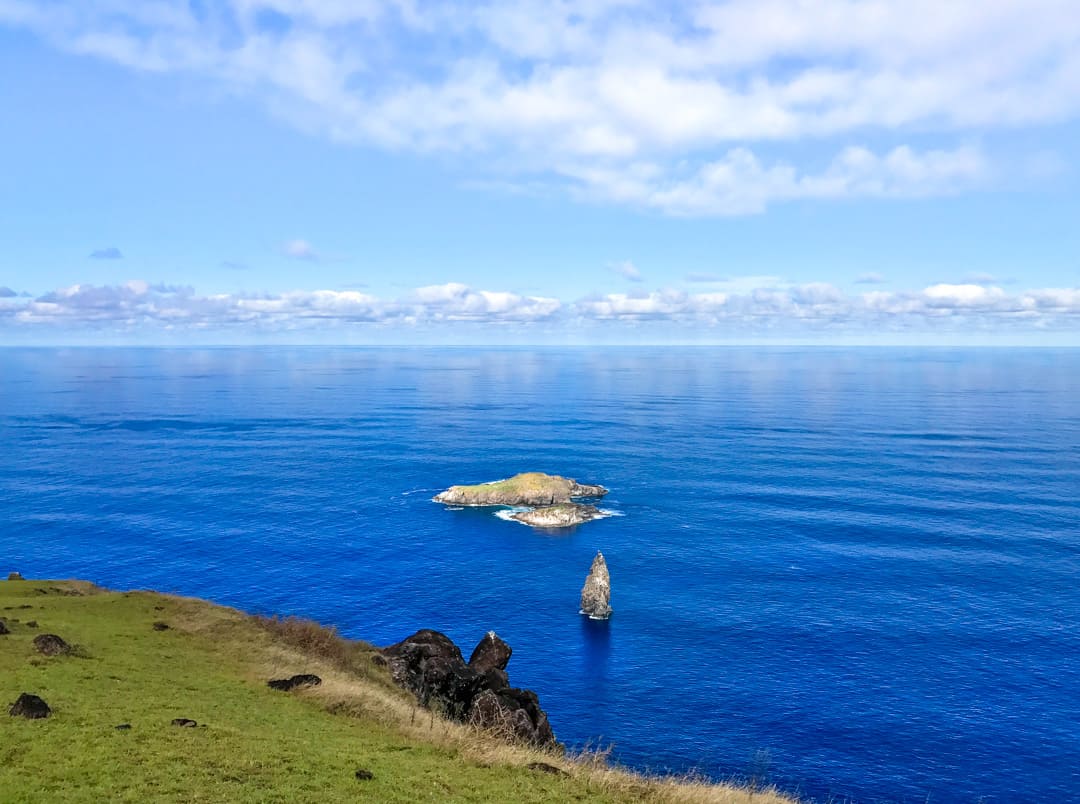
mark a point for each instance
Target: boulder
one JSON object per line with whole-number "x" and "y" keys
{"x": 364, "y": 775}
{"x": 184, "y": 722}
{"x": 513, "y": 714}
{"x": 30, "y": 707}
{"x": 491, "y": 653}
{"x": 51, "y": 645}
{"x": 14, "y": 576}
{"x": 528, "y": 488}
{"x": 4, "y": 629}
{"x": 289, "y": 684}
{"x": 560, "y": 515}
{"x": 431, "y": 667}
{"x": 596, "y": 594}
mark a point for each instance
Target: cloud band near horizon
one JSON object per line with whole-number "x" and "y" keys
{"x": 777, "y": 309}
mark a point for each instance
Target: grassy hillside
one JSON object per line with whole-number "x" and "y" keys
{"x": 211, "y": 664}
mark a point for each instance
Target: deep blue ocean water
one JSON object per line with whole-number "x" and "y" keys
{"x": 857, "y": 571}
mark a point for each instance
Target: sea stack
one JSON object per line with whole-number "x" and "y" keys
{"x": 596, "y": 594}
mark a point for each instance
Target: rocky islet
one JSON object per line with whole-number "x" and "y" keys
{"x": 533, "y": 489}
{"x": 551, "y": 501}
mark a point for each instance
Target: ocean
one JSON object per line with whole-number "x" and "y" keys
{"x": 854, "y": 573}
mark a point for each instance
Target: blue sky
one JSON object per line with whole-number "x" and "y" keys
{"x": 603, "y": 171}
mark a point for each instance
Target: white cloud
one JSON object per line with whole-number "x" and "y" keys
{"x": 951, "y": 296}
{"x": 660, "y": 105}
{"x": 139, "y": 303}
{"x": 818, "y": 306}
{"x": 457, "y": 302}
{"x": 740, "y": 183}
{"x": 771, "y": 307}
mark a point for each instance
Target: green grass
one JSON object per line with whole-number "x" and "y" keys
{"x": 521, "y": 484}
{"x": 252, "y": 743}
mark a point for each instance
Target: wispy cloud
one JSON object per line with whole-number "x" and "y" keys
{"x": 234, "y": 265}
{"x": 984, "y": 279}
{"x": 627, "y": 270}
{"x": 301, "y": 250}
{"x": 7, "y": 293}
{"x": 703, "y": 278}
{"x": 740, "y": 183}
{"x": 812, "y": 307}
{"x": 870, "y": 278}
{"x": 110, "y": 253}
{"x": 693, "y": 104}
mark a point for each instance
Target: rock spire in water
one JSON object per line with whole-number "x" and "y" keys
{"x": 596, "y": 594}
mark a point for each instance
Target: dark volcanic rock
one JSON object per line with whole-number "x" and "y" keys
{"x": 51, "y": 645}
{"x": 123, "y": 727}
{"x": 30, "y": 706}
{"x": 513, "y": 713}
{"x": 544, "y": 767}
{"x": 431, "y": 666}
{"x": 14, "y": 576}
{"x": 495, "y": 679}
{"x": 288, "y": 684}
{"x": 160, "y": 626}
{"x": 3, "y": 628}
{"x": 596, "y": 594}
{"x": 490, "y": 653}
{"x": 364, "y": 775}
{"x": 31, "y": 624}
{"x": 184, "y": 723}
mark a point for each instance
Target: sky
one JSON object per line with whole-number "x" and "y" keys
{"x": 519, "y": 172}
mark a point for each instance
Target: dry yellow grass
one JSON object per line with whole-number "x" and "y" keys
{"x": 370, "y": 694}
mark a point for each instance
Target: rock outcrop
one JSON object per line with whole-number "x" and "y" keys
{"x": 560, "y": 515}
{"x": 51, "y": 645}
{"x": 430, "y": 666}
{"x": 529, "y": 488}
{"x": 491, "y": 653}
{"x": 294, "y": 682}
{"x": 30, "y": 707}
{"x": 596, "y": 594}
